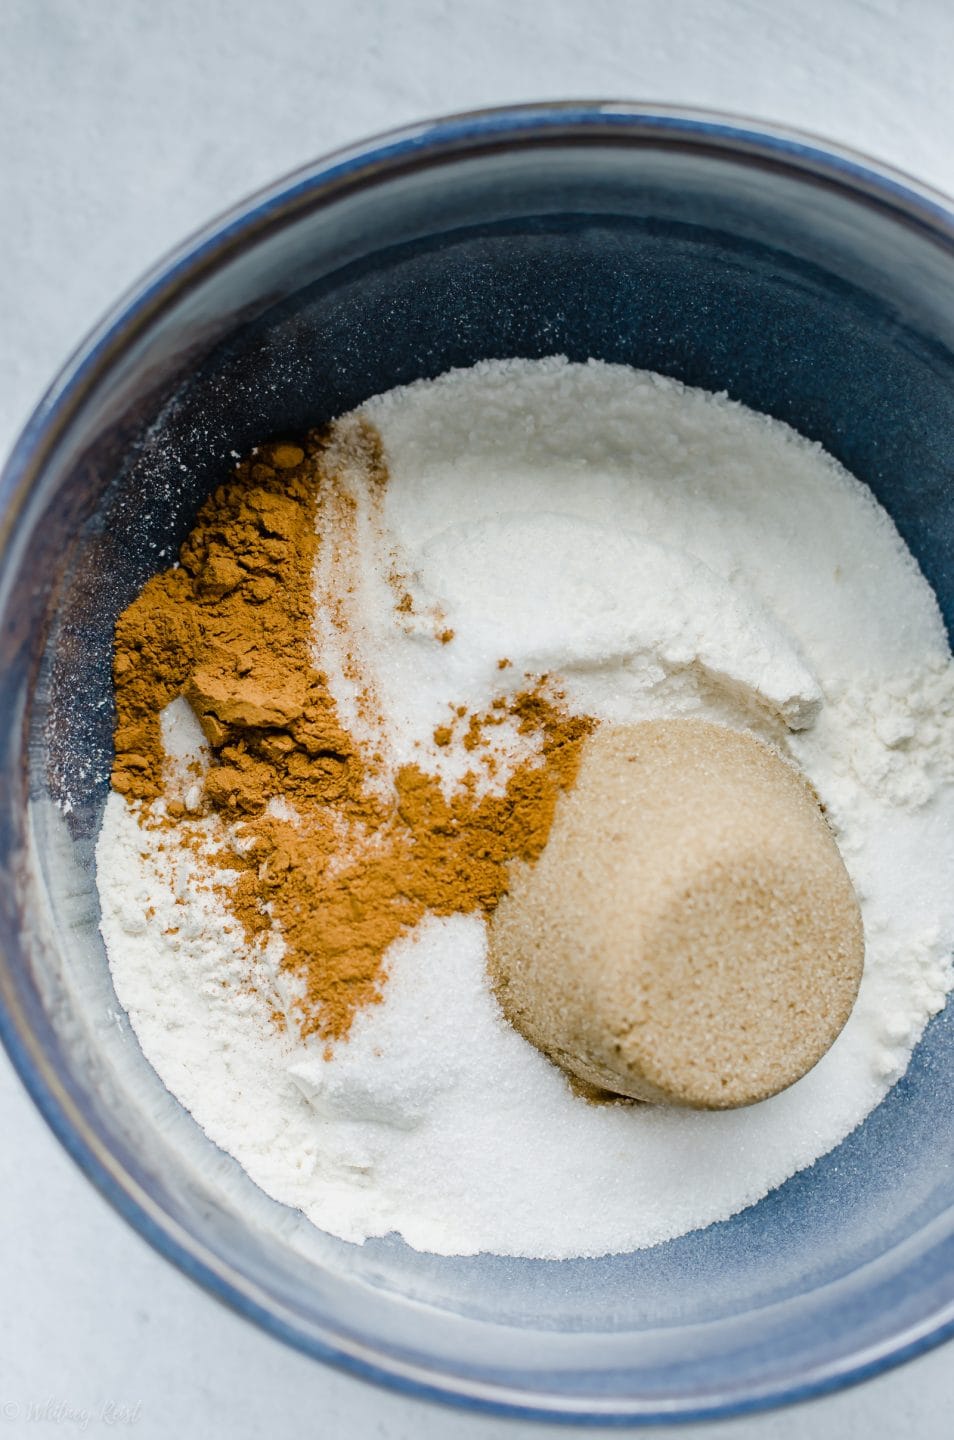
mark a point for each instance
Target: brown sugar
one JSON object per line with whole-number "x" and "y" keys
{"x": 689, "y": 934}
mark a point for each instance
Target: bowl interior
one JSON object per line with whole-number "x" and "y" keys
{"x": 765, "y": 272}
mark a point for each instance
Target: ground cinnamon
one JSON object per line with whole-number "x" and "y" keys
{"x": 340, "y": 871}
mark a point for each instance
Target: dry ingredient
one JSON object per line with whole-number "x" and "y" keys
{"x": 652, "y": 551}
{"x": 338, "y": 870}
{"x": 689, "y": 935}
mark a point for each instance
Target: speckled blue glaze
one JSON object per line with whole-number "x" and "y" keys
{"x": 807, "y": 283}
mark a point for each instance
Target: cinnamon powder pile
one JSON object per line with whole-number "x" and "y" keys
{"x": 343, "y": 868}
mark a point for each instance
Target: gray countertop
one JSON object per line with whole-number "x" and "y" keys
{"x": 124, "y": 125}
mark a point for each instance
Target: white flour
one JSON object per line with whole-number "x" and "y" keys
{"x": 660, "y": 550}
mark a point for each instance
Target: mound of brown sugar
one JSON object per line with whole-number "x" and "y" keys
{"x": 690, "y": 934}
{"x": 344, "y": 867}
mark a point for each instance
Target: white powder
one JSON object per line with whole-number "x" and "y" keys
{"x": 659, "y": 550}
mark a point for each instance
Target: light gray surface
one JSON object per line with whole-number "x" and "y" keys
{"x": 124, "y": 124}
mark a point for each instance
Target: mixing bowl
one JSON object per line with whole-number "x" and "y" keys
{"x": 806, "y": 282}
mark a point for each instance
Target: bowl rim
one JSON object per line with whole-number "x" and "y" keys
{"x": 318, "y": 183}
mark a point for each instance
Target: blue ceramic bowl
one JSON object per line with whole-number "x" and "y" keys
{"x": 806, "y": 282}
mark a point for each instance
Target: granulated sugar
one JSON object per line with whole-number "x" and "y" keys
{"x": 656, "y": 551}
